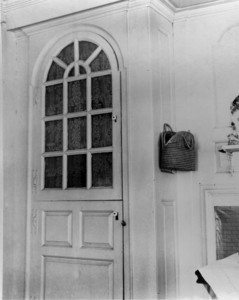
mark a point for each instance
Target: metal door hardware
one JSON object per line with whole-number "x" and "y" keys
{"x": 116, "y": 215}
{"x": 123, "y": 223}
{"x": 114, "y": 118}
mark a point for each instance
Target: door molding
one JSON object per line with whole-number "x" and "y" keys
{"x": 214, "y": 196}
{"x": 37, "y": 74}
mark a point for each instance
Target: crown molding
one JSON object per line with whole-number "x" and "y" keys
{"x": 206, "y": 10}
{"x": 26, "y": 13}
{"x": 2, "y": 11}
{"x": 159, "y": 6}
{"x": 98, "y": 12}
{"x": 163, "y": 9}
{"x": 14, "y": 11}
{"x": 14, "y": 5}
{"x": 85, "y": 16}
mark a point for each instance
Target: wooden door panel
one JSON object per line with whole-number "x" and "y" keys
{"x": 96, "y": 229}
{"x": 77, "y": 249}
{"x": 76, "y": 244}
{"x": 68, "y": 278}
{"x": 60, "y": 235}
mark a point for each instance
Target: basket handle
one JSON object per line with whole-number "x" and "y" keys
{"x": 190, "y": 147}
{"x": 167, "y": 127}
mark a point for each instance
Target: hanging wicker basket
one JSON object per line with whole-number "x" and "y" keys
{"x": 177, "y": 150}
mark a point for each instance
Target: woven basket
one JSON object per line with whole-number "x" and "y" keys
{"x": 177, "y": 150}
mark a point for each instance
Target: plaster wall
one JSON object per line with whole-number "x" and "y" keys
{"x": 1, "y": 149}
{"x": 15, "y": 119}
{"x": 182, "y": 73}
{"x": 206, "y": 82}
{"x": 128, "y": 30}
{"x": 141, "y": 157}
{"x": 161, "y": 49}
{"x": 24, "y": 13}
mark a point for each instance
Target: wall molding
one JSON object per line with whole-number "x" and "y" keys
{"x": 14, "y": 9}
{"x": 165, "y": 45}
{"x": 87, "y": 15}
{"x": 98, "y": 12}
{"x": 13, "y": 5}
{"x": 182, "y": 15}
{"x": 159, "y": 6}
{"x": 1, "y": 161}
{"x": 2, "y": 11}
{"x": 213, "y": 195}
{"x": 222, "y": 160}
{"x": 16, "y": 19}
{"x": 224, "y": 60}
{"x": 170, "y": 246}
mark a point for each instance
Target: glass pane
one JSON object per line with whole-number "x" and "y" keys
{"x": 102, "y": 130}
{"x": 53, "y": 172}
{"x": 53, "y": 135}
{"x": 82, "y": 70}
{"x": 227, "y": 230}
{"x": 102, "y": 169}
{"x": 55, "y": 72}
{"x": 72, "y": 72}
{"x": 101, "y": 92}
{"x": 67, "y": 54}
{"x": 100, "y": 63}
{"x": 54, "y": 100}
{"x": 86, "y": 49}
{"x": 76, "y": 173}
{"x": 77, "y": 133}
{"x": 77, "y": 96}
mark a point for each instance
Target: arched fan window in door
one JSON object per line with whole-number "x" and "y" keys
{"x": 77, "y": 119}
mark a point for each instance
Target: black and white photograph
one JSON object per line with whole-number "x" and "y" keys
{"x": 119, "y": 149}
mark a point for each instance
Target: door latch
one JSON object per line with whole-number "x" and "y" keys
{"x": 116, "y": 215}
{"x": 114, "y": 118}
{"x": 123, "y": 223}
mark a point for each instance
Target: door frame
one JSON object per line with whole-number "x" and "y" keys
{"x": 37, "y": 72}
{"x": 1, "y": 161}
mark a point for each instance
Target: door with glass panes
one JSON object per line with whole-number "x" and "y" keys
{"x": 76, "y": 244}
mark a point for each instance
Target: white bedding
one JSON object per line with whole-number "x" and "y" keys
{"x": 223, "y": 277}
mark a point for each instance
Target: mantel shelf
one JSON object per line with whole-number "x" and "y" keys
{"x": 229, "y": 149}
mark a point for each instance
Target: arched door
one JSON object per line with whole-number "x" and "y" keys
{"x": 76, "y": 243}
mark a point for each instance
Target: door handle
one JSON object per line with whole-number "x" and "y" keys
{"x": 116, "y": 215}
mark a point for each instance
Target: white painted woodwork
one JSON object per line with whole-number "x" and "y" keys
{"x": 165, "y": 192}
{"x": 114, "y": 192}
{"x": 60, "y": 235}
{"x": 169, "y": 219}
{"x": 216, "y": 196}
{"x": 225, "y": 63}
{"x": 205, "y": 85}
{"x": 176, "y": 71}
{"x": 192, "y": 3}
{"x": 88, "y": 279}
{"x": 222, "y": 159}
{"x": 1, "y": 154}
{"x": 77, "y": 250}
{"x": 75, "y": 245}
{"x": 21, "y": 13}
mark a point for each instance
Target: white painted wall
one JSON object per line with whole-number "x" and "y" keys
{"x": 15, "y": 125}
{"x": 206, "y": 82}
{"x": 185, "y": 74}
{"x": 24, "y": 13}
{"x": 128, "y": 29}
{"x": 141, "y": 157}
{"x": 1, "y": 150}
{"x": 161, "y": 44}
